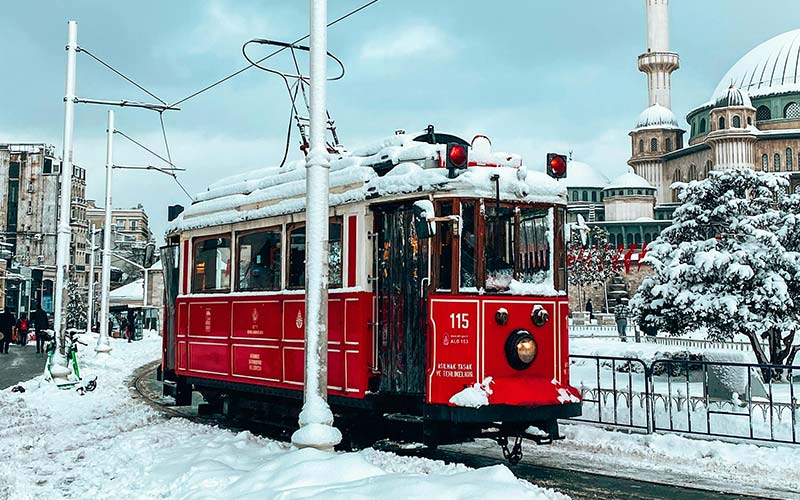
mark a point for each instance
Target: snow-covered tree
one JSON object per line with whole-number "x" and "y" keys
{"x": 729, "y": 264}
{"x": 76, "y": 306}
{"x": 590, "y": 263}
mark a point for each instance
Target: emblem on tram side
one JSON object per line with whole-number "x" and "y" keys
{"x": 208, "y": 320}
{"x": 254, "y": 315}
{"x": 299, "y": 320}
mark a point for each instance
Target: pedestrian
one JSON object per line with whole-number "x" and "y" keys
{"x": 23, "y": 327}
{"x": 41, "y": 323}
{"x": 7, "y": 323}
{"x": 621, "y": 315}
{"x": 131, "y": 324}
{"x": 589, "y": 309}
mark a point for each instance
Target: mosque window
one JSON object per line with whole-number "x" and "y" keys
{"x": 765, "y": 162}
{"x": 647, "y": 237}
{"x": 668, "y": 144}
{"x": 702, "y": 125}
{"x": 792, "y": 110}
{"x": 585, "y": 196}
{"x": 594, "y": 196}
{"x": 709, "y": 165}
{"x": 721, "y": 122}
{"x": 763, "y": 113}
{"x": 737, "y": 122}
{"x": 749, "y": 120}
{"x": 692, "y": 172}
{"x": 641, "y": 145}
{"x": 574, "y": 196}
{"x": 789, "y": 160}
{"x": 777, "y": 162}
{"x": 639, "y": 192}
{"x": 653, "y": 145}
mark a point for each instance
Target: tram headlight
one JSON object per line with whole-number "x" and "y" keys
{"x": 521, "y": 349}
{"x": 539, "y": 316}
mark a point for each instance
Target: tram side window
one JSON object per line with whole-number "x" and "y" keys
{"x": 445, "y": 249}
{"x": 499, "y": 248}
{"x": 259, "y": 263}
{"x": 212, "y": 260}
{"x": 468, "y": 245}
{"x": 534, "y": 245}
{"x": 297, "y": 255}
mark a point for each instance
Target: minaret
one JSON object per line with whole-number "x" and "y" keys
{"x": 658, "y": 62}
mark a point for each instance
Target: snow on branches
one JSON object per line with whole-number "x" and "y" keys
{"x": 729, "y": 264}
{"x": 76, "y": 306}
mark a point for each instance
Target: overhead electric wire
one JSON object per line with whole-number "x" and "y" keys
{"x": 271, "y": 54}
{"x": 171, "y": 174}
{"x": 126, "y": 78}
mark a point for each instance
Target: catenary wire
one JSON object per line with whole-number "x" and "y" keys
{"x": 271, "y": 54}
{"x": 126, "y": 78}
{"x": 171, "y": 174}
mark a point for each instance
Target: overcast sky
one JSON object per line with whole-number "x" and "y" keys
{"x": 534, "y": 76}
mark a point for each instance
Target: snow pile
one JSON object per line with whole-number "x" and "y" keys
{"x": 474, "y": 396}
{"x": 107, "y": 445}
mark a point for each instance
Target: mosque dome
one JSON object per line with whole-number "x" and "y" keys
{"x": 630, "y": 180}
{"x": 769, "y": 69}
{"x": 583, "y": 175}
{"x": 657, "y": 116}
{"x": 733, "y": 97}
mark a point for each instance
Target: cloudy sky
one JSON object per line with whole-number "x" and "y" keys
{"x": 534, "y": 76}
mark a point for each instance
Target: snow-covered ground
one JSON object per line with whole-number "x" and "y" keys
{"x": 57, "y": 444}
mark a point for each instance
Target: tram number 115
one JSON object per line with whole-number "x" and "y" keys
{"x": 459, "y": 321}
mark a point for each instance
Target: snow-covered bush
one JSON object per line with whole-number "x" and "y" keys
{"x": 729, "y": 263}
{"x": 76, "y": 306}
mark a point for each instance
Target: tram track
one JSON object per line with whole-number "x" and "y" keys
{"x": 578, "y": 484}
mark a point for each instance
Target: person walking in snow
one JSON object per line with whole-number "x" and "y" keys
{"x": 7, "y": 323}
{"x": 23, "y": 327}
{"x": 589, "y": 309}
{"x": 621, "y": 315}
{"x": 40, "y": 323}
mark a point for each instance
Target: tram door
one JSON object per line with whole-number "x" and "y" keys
{"x": 170, "y": 260}
{"x": 401, "y": 291}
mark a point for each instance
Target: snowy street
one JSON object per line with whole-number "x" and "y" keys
{"x": 21, "y": 363}
{"x": 107, "y": 445}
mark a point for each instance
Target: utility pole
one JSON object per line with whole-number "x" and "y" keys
{"x": 90, "y": 308}
{"x": 316, "y": 419}
{"x": 64, "y": 230}
{"x": 103, "y": 345}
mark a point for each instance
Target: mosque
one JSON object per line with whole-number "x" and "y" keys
{"x": 752, "y": 119}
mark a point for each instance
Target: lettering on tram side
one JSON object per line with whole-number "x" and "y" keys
{"x": 254, "y": 362}
{"x": 254, "y": 329}
{"x": 455, "y": 370}
{"x": 456, "y": 343}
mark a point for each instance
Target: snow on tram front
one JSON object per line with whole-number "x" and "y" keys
{"x": 447, "y": 303}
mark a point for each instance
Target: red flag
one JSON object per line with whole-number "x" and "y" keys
{"x": 642, "y": 254}
{"x": 615, "y": 260}
{"x": 628, "y": 255}
{"x": 580, "y": 255}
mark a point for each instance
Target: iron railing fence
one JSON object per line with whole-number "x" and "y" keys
{"x": 725, "y": 399}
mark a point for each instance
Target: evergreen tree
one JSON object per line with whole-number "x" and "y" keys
{"x": 76, "y": 306}
{"x": 729, "y": 264}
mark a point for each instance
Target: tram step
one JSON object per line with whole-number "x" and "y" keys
{"x": 401, "y": 417}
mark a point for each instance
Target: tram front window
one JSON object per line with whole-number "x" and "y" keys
{"x": 499, "y": 249}
{"x": 211, "y": 271}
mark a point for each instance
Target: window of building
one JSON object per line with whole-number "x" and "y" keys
{"x": 47, "y": 168}
{"x": 212, "y": 259}
{"x": 763, "y": 113}
{"x": 692, "y": 172}
{"x": 668, "y": 144}
{"x": 765, "y": 162}
{"x": 721, "y": 122}
{"x": 574, "y": 196}
{"x": 585, "y": 196}
{"x": 641, "y": 145}
{"x": 639, "y": 192}
{"x": 709, "y": 166}
{"x": 702, "y": 125}
{"x": 792, "y": 111}
{"x": 259, "y": 260}
{"x": 594, "y": 196}
{"x": 777, "y": 162}
{"x": 653, "y": 145}
{"x": 737, "y": 122}
{"x": 749, "y": 120}
{"x": 789, "y": 160}
{"x": 469, "y": 255}
{"x": 133, "y": 224}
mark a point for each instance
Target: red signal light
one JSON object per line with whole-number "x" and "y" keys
{"x": 556, "y": 165}
{"x": 457, "y": 155}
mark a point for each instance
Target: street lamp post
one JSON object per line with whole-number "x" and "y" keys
{"x": 90, "y": 307}
{"x": 103, "y": 345}
{"x": 316, "y": 419}
{"x": 64, "y": 230}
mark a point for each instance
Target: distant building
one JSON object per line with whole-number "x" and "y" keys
{"x": 30, "y": 184}
{"x": 130, "y": 236}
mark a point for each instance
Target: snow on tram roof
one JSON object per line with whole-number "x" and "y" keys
{"x": 277, "y": 191}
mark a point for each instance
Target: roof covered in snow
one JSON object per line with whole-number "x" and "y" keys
{"x": 657, "y": 116}
{"x": 733, "y": 97}
{"x": 131, "y": 292}
{"x": 414, "y": 166}
{"x": 583, "y": 175}
{"x": 630, "y": 180}
{"x": 771, "y": 68}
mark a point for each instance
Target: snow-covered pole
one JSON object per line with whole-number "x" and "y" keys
{"x": 316, "y": 419}
{"x": 90, "y": 308}
{"x": 105, "y": 274}
{"x": 65, "y": 201}
{"x": 144, "y": 297}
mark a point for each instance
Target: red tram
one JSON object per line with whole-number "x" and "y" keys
{"x": 447, "y": 303}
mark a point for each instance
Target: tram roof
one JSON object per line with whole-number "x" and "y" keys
{"x": 275, "y": 191}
